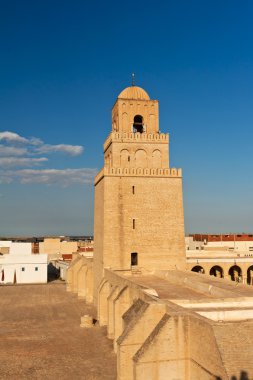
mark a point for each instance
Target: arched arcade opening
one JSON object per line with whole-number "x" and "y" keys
{"x": 216, "y": 271}
{"x": 250, "y": 275}
{"x": 235, "y": 273}
{"x": 198, "y": 269}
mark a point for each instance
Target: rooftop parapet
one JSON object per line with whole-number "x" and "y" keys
{"x": 139, "y": 172}
{"x": 136, "y": 137}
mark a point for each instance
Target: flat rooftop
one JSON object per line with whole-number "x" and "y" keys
{"x": 216, "y": 299}
{"x": 176, "y": 284}
{"x": 167, "y": 289}
{"x": 41, "y": 338}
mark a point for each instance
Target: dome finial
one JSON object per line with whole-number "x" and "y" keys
{"x": 133, "y": 79}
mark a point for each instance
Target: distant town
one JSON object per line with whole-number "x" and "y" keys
{"x": 28, "y": 260}
{"x": 39, "y": 259}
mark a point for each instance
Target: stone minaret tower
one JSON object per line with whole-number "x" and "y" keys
{"x": 139, "y": 217}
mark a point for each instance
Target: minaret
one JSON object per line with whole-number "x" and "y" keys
{"x": 138, "y": 217}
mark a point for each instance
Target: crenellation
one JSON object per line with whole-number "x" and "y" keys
{"x": 138, "y": 172}
{"x": 162, "y": 138}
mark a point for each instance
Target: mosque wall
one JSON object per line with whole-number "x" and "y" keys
{"x": 157, "y": 328}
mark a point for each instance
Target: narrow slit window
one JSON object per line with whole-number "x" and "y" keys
{"x": 133, "y": 190}
{"x": 133, "y": 224}
{"x": 134, "y": 258}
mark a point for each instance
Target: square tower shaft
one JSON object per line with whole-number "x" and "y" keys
{"x": 138, "y": 217}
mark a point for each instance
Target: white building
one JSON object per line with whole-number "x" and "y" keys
{"x": 21, "y": 266}
{"x": 5, "y": 243}
{"x": 16, "y": 248}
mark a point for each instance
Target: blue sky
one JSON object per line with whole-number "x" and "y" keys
{"x": 62, "y": 65}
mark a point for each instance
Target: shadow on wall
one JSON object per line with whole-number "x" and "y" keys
{"x": 243, "y": 376}
{"x": 52, "y": 273}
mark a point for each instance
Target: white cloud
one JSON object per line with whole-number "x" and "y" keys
{"x": 37, "y": 146}
{"x": 21, "y": 161}
{"x": 12, "y": 151}
{"x": 12, "y": 137}
{"x": 73, "y": 150}
{"x": 63, "y": 177}
{"x": 15, "y": 159}
{"x": 35, "y": 141}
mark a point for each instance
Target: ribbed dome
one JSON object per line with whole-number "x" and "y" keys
{"x": 134, "y": 92}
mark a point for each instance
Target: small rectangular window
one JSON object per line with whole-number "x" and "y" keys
{"x": 250, "y": 248}
{"x": 23, "y": 269}
{"x": 133, "y": 189}
{"x": 134, "y": 258}
{"x": 133, "y": 224}
{"x": 36, "y": 269}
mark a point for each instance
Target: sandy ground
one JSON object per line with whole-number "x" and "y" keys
{"x": 41, "y": 338}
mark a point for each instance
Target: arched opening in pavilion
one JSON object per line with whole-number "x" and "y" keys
{"x": 217, "y": 271}
{"x": 138, "y": 124}
{"x": 235, "y": 273}
{"x": 198, "y": 269}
